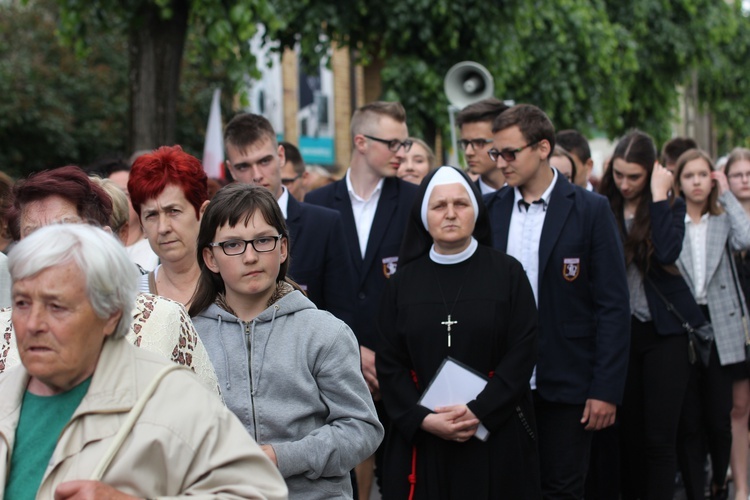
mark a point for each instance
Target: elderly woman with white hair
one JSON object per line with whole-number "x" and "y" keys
{"x": 89, "y": 415}
{"x": 158, "y": 324}
{"x": 456, "y": 298}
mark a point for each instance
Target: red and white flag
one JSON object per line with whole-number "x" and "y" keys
{"x": 213, "y": 149}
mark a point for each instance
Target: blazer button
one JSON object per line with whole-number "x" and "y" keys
{"x": 362, "y": 295}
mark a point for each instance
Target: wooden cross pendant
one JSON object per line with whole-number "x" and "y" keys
{"x": 449, "y": 323}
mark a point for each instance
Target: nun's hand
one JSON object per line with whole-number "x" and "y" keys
{"x": 452, "y": 423}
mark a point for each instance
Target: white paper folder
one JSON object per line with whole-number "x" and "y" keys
{"x": 455, "y": 384}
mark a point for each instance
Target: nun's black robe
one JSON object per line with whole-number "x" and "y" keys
{"x": 495, "y": 334}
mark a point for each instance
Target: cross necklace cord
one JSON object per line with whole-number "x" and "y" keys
{"x": 449, "y": 322}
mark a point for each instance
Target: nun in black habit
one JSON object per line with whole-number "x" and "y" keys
{"x": 454, "y": 296}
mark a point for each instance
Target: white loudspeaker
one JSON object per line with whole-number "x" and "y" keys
{"x": 468, "y": 82}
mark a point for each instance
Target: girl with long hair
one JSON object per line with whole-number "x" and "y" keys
{"x": 737, "y": 170}
{"x": 716, "y": 224}
{"x": 652, "y": 226}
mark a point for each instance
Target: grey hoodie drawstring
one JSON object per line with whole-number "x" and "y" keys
{"x": 224, "y": 351}
{"x": 265, "y": 345}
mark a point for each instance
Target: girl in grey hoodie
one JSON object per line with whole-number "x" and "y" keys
{"x": 289, "y": 371}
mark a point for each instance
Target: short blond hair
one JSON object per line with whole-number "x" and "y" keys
{"x": 120, "y": 210}
{"x": 370, "y": 113}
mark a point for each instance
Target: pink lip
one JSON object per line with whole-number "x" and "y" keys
{"x": 38, "y": 348}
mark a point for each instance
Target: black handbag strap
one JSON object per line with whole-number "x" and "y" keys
{"x": 740, "y": 300}
{"x": 685, "y": 324}
{"x": 735, "y": 280}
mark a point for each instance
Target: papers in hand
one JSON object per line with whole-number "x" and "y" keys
{"x": 455, "y": 384}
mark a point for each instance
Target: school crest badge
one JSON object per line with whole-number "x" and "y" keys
{"x": 571, "y": 268}
{"x": 389, "y": 266}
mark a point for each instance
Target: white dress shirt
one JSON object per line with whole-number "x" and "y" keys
{"x": 283, "y": 201}
{"x": 525, "y": 232}
{"x": 697, "y": 234}
{"x": 364, "y": 211}
{"x": 485, "y": 188}
{"x": 524, "y": 235}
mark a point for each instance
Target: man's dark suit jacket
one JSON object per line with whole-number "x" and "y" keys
{"x": 383, "y": 245}
{"x": 320, "y": 258}
{"x": 583, "y": 301}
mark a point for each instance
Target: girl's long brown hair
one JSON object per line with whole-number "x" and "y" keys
{"x": 636, "y": 147}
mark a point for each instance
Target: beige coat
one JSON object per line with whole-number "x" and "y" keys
{"x": 184, "y": 443}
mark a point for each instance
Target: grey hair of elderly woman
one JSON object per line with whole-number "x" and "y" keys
{"x": 111, "y": 278}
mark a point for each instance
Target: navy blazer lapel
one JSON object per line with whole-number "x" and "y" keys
{"x": 293, "y": 221}
{"x": 502, "y": 212}
{"x": 343, "y": 204}
{"x": 386, "y": 206}
{"x": 560, "y": 203}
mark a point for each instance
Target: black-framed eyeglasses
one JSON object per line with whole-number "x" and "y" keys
{"x": 508, "y": 154}
{"x": 393, "y": 144}
{"x": 238, "y": 247}
{"x": 477, "y": 144}
{"x": 739, "y": 175}
{"x": 288, "y": 180}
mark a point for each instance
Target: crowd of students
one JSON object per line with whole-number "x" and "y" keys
{"x": 610, "y": 328}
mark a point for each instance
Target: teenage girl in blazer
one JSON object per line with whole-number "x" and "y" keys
{"x": 715, "y": 219}
{"x": 652, "y": 226}
{"x": 737, "y": 170}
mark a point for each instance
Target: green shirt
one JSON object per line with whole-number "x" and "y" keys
{"x": 39, "y": 427}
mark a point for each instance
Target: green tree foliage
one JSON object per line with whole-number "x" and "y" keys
{"x": 564, "y": 55}
{"x": 724, "y": 86}
{"x": 62, "y": 109}
{"x": 672, "y": 38}
{"x": 156, "y": 31}
{"x": 56, "y": 109}
{"x": 600, "y": 65}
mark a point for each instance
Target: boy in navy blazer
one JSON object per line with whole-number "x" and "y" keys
{"x": 374, "y": 205}
{"x": 567, "y": 240}
{"x": 319, "y": 254}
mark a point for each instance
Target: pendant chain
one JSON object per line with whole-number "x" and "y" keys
{"x": 449, "y": 322}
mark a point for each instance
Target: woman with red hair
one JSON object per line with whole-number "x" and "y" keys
{"x": 168, "y": 189}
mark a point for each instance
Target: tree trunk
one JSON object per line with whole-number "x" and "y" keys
{"x": 156, "y": 47}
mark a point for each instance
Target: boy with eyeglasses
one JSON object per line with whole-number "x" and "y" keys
{"x": 319, "y": 255}
{"x": 475, "y": 124}
{"x": 567, "y": 241}
{"x": 374, "y": 205}
{"x": 293, "y": 171}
